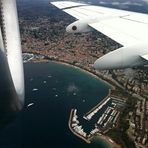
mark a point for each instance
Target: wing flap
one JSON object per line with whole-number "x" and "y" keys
{"x": 123, "y": 39}
{"x": 122, "y": 30}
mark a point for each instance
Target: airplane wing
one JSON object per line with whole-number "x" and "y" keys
{"x": 122, "y": 26}
{"x": 130, "y": 29}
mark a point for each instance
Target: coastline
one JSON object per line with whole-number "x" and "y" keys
{"x": 110, "y": 143}
{"x": 83, "y": 70}
{"x": 104, "y": 138}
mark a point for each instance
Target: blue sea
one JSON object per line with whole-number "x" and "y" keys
{"x": 54, "y": 89}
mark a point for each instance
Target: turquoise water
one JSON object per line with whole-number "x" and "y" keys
{"x": 54, "y": 89}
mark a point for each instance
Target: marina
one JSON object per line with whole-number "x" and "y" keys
{"x": 107, "y": 120}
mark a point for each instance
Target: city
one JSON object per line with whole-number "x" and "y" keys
{"x": 46, "y": 36}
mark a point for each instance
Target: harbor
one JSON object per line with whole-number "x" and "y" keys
{"x": 110, "y": 108}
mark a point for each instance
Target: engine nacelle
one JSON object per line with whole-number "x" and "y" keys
{"x": 79, "y": 26}
{"x": 125, "y": 57}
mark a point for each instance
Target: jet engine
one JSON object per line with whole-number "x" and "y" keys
{"x": 125, "y": 57}
{"x": 79, "y": 26}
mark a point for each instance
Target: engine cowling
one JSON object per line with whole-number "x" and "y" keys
{"x": 79, "y": 26}
{"x": 125, "y": 57}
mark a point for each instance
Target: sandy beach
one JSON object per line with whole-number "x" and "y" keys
{"x": 110, "y": 142}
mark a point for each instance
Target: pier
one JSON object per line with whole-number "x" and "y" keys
{"x": 95, "y": 109}
{"x": 76, "y": 128}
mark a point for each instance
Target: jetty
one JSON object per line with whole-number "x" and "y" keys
{"x": 88, "y": 116}
{"x": 75, "y": 128}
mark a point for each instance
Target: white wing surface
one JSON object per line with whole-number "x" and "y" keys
{"x": 125, "y": 27}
